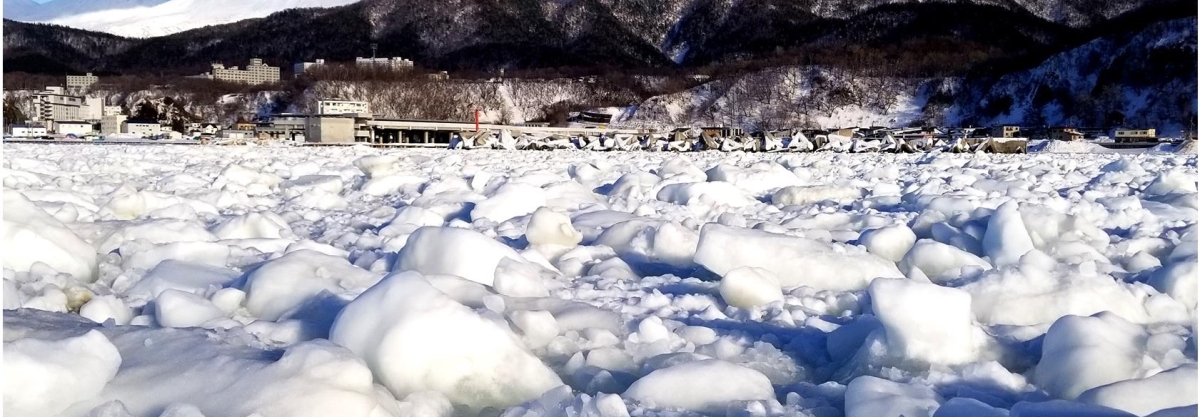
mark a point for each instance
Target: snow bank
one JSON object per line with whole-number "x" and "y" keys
{"x": 54, "y": 374}
{"x": 795, "y": 261}
{"x": 415, "y": 338}
{"x": 33, "y": 236}
{"x": 690, "y": 386}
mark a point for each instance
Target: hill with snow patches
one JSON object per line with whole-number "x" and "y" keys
{"x": 149, "y": 18}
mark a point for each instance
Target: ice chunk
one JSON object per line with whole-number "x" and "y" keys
{"x": 809, "y": 194}
{"x": 1080, "y": 353}
{"x": 414, "y": 338}
{"x": 1060, "y": 408}
{"x": 279, "y": 285}
{"x": 749, "y": 287}
{"x": 890, "y": 242}
{"x": 705, "y": 193}
{"x": 548, "y": 227}
{"x": 939, "y": 261}
{"x": 1179, "y": 280}
{"x": 179, "y": 275}
{"x": 1171, "y": 182}
{"x": 31, "y": 236}
{"x": 868, "y": 396}
{"x": 795, "y": 261}
{"x": 175, "y": 308}
{"x": 925, "y": 322}
{"x": 510, "y": 200}
{"x": 968, "y": 407}
{"x": 1170, "y": 389}
{"x": 53, "y": 374}
{"x": 454, "y": 251}
{"x": 1006, "y": 239}
{"x": 690, "y": 385}
{"x": 253, "y": 226}
{"x": 99, "y": 309}
{"x": 157, "y": 232}
{"x": 521, "y": 279}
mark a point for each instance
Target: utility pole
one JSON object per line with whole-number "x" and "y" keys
{"x": 374, "y": 46}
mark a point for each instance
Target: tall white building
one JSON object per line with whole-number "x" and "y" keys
{"x": 255, "y": 73}
{"x": 56, "y": 104}
{"x": 111, "y": 124}
{"x": 391, "y": 63}
{"x": 81, "y": 81}
{"x": 332, "y": 107}
{"x": 93, "y": 109}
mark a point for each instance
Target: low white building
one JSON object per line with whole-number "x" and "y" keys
{"x": 396, "y": 63}
{"x": 28, "y": 131}
{"x": 335, "y": 107}
{"x": 142, "y": 127}
{"x": 77, "y": 128}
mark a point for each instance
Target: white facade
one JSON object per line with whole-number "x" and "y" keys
{"x": 391, "y": 63}
{"x": 143, "y": 129}
{"x": 111, "y": 111}
{"x": 93, "y": 109}
{"x": 55, "y": 104}
{"x": 255, "y": 73}
{"x": 112, "y": 124}
{"x": 26, "y": 131}
{"x": 73, "y": 128}
{"x": 302, "y": 67}
{"x": 343, "y": 107}
{"x": 81, "y": 81}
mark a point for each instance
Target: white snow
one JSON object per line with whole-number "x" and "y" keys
{"x": 250, "y": 280}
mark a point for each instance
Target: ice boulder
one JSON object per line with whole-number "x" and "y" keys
{"x": 453, "y": 251}
{"x": 939, "y": 261}
{"x": 809, "y": 194}
{"x": 890, "y": 242}
{"x": 510, "y": 200}
{"x": 705, "y": 193}
{"x": 1171, "y": 182}
{"x": 548, "y": 227}
{"x": 157, "y": 232}
{"x": 54, "y": 374}
{"x": 259, "y": 225}
{"x": 1061, "y": 408}
{"x": 1179, "y": 280}
{"x": 178, "y": 275}
{"x": 105, "y": 307}
{"x": 794, "y": 261}
{"x": 682, "y": 169}
{"x": 925, "y": 322}
{"x": 414, "y": 338}
{"x": 1080, "y": 353}
{"x": 175, "y": 308}
{"x": 31, "y": 236}
{"x": 868, "y": 396}
{"x": 1170, "y": 389}
{"x": 1006, "y": 239}
{"x": 749, "y": 287}
{"x": 280, "y": 285}
{"x": 693, "y": 386}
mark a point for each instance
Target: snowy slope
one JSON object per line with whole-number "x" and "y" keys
{"x": 147, "y": 18}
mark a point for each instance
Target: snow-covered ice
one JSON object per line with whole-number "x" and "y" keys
{"x": 186, "y": 280}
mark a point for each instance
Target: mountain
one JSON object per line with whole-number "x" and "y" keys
{"x": 148, "y": 18}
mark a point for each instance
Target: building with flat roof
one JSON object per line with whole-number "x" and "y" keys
{"x": 74, "y": 127}
{"x": 27, "y": 131}
{"x": 334, "y": 107}
{"x": 1135, "y": 135}
{"x": 255, "y": 73}
{"x": 82, "y": 81}
{"x": 111, "y": 111}
{"x": 329, "y": 129}
{"x": 112, "y": 124}
{"x": 396, "y": 63}
{"x": 303, "y": 67}
{"x": 55, "y": 104}
{"x": 142, "y": 127}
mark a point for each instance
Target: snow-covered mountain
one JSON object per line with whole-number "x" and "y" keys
{"x": 148, "y": 18}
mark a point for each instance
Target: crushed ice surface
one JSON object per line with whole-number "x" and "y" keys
{"x": 186, "y": 281}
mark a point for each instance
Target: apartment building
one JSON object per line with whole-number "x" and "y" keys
{"x": 82, "y": 81}
{"x": 396, "y": 63}
{"x": 55, "y": 104}
{"x": 303, "y": 67}
{"x": 255, "y": 73}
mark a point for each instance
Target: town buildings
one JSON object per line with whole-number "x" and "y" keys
{"x": 255, "y": 73}
{"x": 81, "y": 81}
